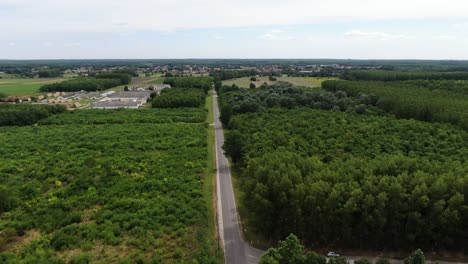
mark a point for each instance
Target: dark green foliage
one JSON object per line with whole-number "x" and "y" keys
{"x": 203, "y": 83}
{"x": 359, "y": 181}
{"x": 226, "y": 75}
{"x": 382, "y": 261}
{"x": 402, "y": 76}
{"x": 431, "y": 101}
{"x": 86, "y": 84}
{"x": 237, "y": 101}
{"x": 25, "y": 114}
{"x": 127, "y": 116}
{"x": 176, "y": 98}
{"x": 49, "y": 73}
{"x": 123, "y": 77}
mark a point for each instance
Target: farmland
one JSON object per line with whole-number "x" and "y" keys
{"x": 297, "y": 81}
{"x": 87, "y": 187}
{"x": 24, "y": 86}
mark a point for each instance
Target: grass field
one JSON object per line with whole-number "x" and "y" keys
{"x": 299, "y": 81}
{"x": 24, "y": 86}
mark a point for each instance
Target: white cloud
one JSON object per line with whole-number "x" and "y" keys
{"x": 217, "y": 37}
{"x": 373, "y": 35}
{"x": 48, "y": 44}
{"x": 32, "y": 16}
{"x": 12, "y": 44}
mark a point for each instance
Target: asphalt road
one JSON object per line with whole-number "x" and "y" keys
{"x": 236, "y": 250}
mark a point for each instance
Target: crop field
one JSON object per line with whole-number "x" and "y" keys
{"x": 24, "y": 86}
{"x": 97, "y": 186}
{"x": 298, "y": 81}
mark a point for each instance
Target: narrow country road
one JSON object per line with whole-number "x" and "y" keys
{"x": 236, "y": 250}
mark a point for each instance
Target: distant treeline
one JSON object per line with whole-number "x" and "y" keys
{"x": 402, "y": 76}
{"x": 431, "y": 101}
{"x": 204, "y": 83}
{"x": 177, "y": 98}
{"x": 23, "y": 115}
{"x": 226, "y": 75}
{"x": 98, "y": 82}
{"x": 49, "y": 73}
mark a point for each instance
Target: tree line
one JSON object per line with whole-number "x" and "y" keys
{"x": 379, "y": 75}
{"x": 25, "y": 114}
{"x": 235, "y": 100}
{"x": 203, "y": 83}
{"x": 176, "y": 98}
{"x": 431, "y": 101}
{"x": 98, "y": 82}
{"x": 291, "y": 251}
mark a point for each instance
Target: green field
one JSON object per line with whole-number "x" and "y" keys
{"x": 298, "y": 81}
{"x": 24, "y": 86}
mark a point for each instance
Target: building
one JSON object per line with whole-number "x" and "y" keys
{"x": 115, "y": 100}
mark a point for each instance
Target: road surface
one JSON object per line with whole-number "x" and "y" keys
{"x": 236, "y": 250}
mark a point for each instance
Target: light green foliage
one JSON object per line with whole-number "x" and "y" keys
{"x": 417, "y": 257}
{"x": 290, "y": 251}
{"x": 123, "y": 185}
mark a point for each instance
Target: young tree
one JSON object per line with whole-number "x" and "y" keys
{"x": 252, "y": 86}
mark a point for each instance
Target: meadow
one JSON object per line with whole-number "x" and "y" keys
{"x": 25, "y": 86}
{"x": 310, "y": 82}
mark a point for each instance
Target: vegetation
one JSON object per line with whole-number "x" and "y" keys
{"x": 49, "y": 73}
{"x": 25, "y": 114}
{"x": 177, "y": 97}
{"x": 237, "y": 101}
{"x": 290, "y": 251}
{"x": 127, "y": 116}
{"x": 403, "y": 76}
{"x": 98, "y": 82}
{"x": 431, "y": 101}
{"x": 203, "y": 83}
{"x": 100, "y": 185}
{"x": 85, "y": 84}
{"x": 24, "y": 86}
{"x": 352, "y": 180}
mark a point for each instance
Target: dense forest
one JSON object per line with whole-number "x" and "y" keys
{"x": 204, "y": 83}
{"x": 402, "y": 76}
{"x": 87, "y": 187}
{"x": 24, "y": 114}
{"x": 99, "y": 82}
{"x": 340, "y": 177}
{"x": 431, "y": 101}
{"x": 235, "y": 100}
{"x": 176, "y": 97}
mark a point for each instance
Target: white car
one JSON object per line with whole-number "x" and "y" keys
{"x": 333, "y": 254}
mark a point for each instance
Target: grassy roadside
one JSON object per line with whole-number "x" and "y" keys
{"x": 209, "y": 186}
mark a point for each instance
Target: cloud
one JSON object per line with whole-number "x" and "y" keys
{"x": 373, "y": 35}
{"x": 48, "y": 44}
{"x": 12, "y": 44}
{"x": 276, "y": 35}
{"x": 217, "y": 37}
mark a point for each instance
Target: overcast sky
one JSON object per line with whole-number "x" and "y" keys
{"x": 357, "y": 29}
